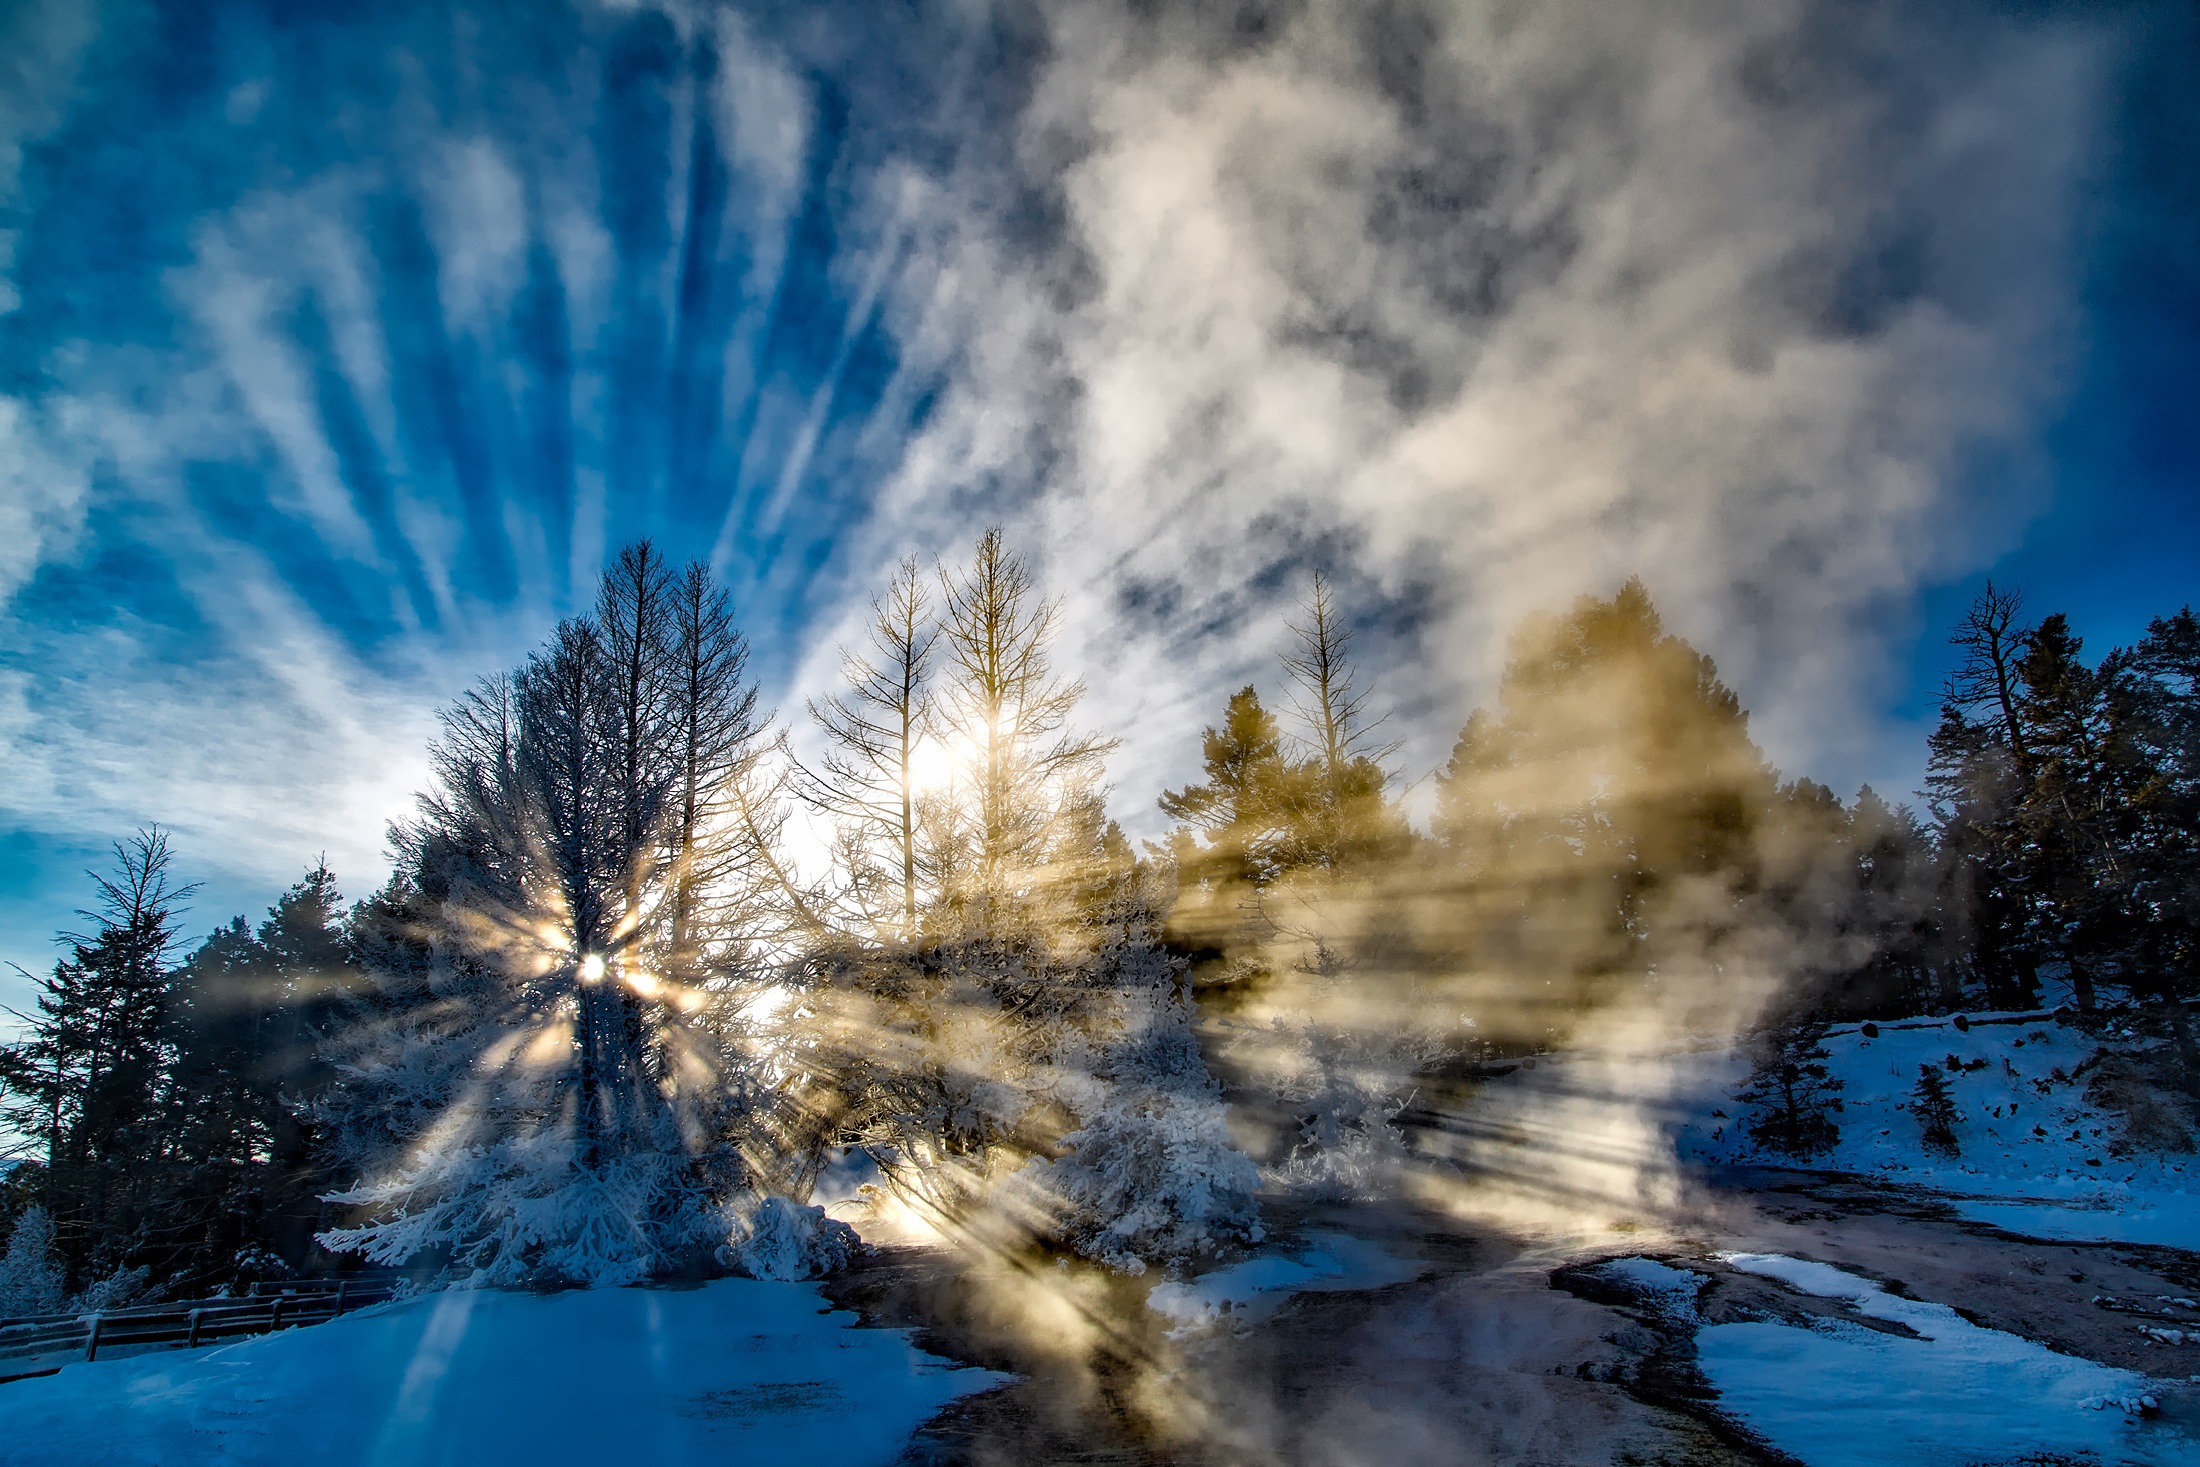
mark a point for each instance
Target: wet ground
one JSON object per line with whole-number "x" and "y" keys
{"x": 1502, "y": 1349}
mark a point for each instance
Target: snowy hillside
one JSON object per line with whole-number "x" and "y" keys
{"x": 734, "y": 1371}
{"x": 2036, "y": 1152}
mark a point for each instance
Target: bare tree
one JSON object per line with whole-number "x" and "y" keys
{"x": 591, "y": 818}
{"x": 1004, "y": 711}
{"x": 1328, "y": 699}
{"x": 634, "y": 615}
{"x": 1993, "y": 640}
{"x": 1348, "y": 809}
{"x": 869, "y": 781}
{"x": 715, "y": 739}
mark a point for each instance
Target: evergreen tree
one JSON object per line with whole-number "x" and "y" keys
{"x": 83, "y": 1081}
{"x": 1605, "y": 820}
{"x": 1244, "y": 816}
{"x": 248, "y": 1017}
{"x": 1936, "y": 1112}
{"x": 1796, "y": 1094}
{"x": 2051, "y": 784}
{"x": 1853, "y": 894}
{"x": 2162, "y": 691}
{"x": 1243, "y": 811}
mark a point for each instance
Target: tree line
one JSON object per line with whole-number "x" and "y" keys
{"x": 598, "y": 1026}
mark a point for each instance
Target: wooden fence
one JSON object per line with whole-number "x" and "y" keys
{"x": 42, "y": 1344}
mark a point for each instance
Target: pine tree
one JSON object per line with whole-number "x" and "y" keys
{"x": 248, "y": 1016}
{"x": 84, "y": 1081}
{"x": 1936, "y": 1112}
{"x": 1604, "y": 821}
{"x": 1244, "y": 808}
{"x": 2161, "y": 686}
{"x": 1796, "y": 1093}
{"x": 1244, "y": 815}
{"x": 2051, "y": 780}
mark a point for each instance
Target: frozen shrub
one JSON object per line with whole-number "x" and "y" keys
{"x": 788, "y": 1242}
{"x": 1151, "y": 1173}
{"x": 123, "y": 1287}
{"x": 30, "y": 1278}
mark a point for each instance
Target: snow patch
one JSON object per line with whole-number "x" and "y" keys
{"x": 1844, "y": 1395}
{"x": 1664, "y": 1288}
{"x": 1250, "y": 1291}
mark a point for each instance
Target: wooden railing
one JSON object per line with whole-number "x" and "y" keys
{"x": 42, "y": 1344}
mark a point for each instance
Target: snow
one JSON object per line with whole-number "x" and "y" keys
{"x": 736, "y": 1370}
{"x": 1670, "y": 1291}
{"x": 1847, "y": 1396}
{"x": 2036, "y": 1155}
{"x": 1254, "y": 1289}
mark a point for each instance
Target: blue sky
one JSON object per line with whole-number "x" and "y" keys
{"x": 343, "y": 341}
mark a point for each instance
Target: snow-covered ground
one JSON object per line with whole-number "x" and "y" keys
{"x": 1847, "y": 1395}
{"x": 2036, "y": 1157}
{"x": 733, "y": 1371}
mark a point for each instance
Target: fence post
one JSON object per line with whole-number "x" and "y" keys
{"x": 275, "y": 1314}
{"x": 193, "y": 1342}
{"x": 341, "y": 1285}
{"x": 91, "y": 1342}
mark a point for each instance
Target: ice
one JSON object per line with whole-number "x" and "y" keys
{"x": 736, "y": 1370}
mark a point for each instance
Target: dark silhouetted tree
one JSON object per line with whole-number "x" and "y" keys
{"x": 83, "y": 1081}
{"x": 1936, "y": 1112}
{"x": 1796, "y": 1094}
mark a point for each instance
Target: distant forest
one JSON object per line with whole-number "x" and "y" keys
{"x": 597, "y": 1028}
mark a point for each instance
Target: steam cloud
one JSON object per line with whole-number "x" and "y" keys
{"x": 1482, "y": 306}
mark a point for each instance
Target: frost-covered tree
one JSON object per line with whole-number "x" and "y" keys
{"x": 551, "y": 1076}
{"x": 1150, "y": 1172}
{"x": 1794, "y": 1090}
{"x": 31, "y": 1279}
